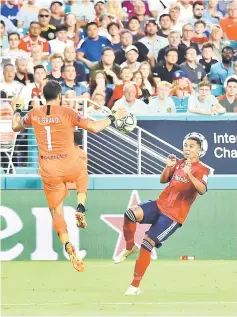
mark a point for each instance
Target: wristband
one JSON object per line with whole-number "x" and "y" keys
{"x": 111, "y": 118}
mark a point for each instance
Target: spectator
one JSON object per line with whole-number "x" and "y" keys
{"x": 34, "y": 38}
{"x": 144, "y": 93}
{"x": 229, "y": 24}
{"x": 198, "y": 11}
{"x": 181, "y": 86}
{"x": 104, "y": 20}
{"x": 56, "y": 61}
{"x": 84, "y": 11}
{"x": 9, "y": 26}
{"x": 187, "y": 35}
{"x": 37, "y": 58}
{"x": 229, "y": 100}
{"x": 174, "y": 13}
{"x": 27, "y": 13}
{"x": 99, "y": 6}
{"x": 108, "y": 66}
{"x": 174, "y": 42}
{"x": 69, "y": 74}
{"x": 13, "y": 52}
{"x": 211, "y": 14}
{"x": 126, "y": 40}
{"x": 186, "y": 11}
{"x": 22, "y": 75}
{"x": 56, "y": 8}
{"x": 134, "y": 28}
{"x": 9, "y": 9}
{"x": 158, "y": 7}
{"x": 193, "y": 70}
{"x": 221, "y": 70}
{"x": 70, "y": 59}
{"x": 203, "y": 102}
{"x": 3, "y": 37}
{"x": 162, "y": 104}
{"x": 126, "y": 76}
{"x": 98, "y": 98}
{"x": 9, "y": 85}
{"x": 148, "y": 79}
{"x": 115, "y": 7}
{"x": 207, "y": 59}
{"x": 140, "y": 13}
{"x": 67, "y": 102}
{"x": 128, "y": 6}
{"x": 98, "y": 84}
{"x": 131, "y": 55}
{"x": 215, "y": 40}
{"x": 90, "y": 50}
{"x": 130, "y": 102}
{"x": 235, "y": 73}
{"x": 48, "y": 31}
{"x": 114, "y": 33}
{"x": 165, "y": 25}
{"x": 199, "y": 35}
{"x": 72, "y": 28}
{"x": 152, "y": 41}
{"x": 58, "y": 45}
{"x": 34, "y": 91}
{"x": 165, "y": 70}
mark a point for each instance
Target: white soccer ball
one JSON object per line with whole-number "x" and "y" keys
{"x": 204, "y": 144}
{"x": 127, "y": 124}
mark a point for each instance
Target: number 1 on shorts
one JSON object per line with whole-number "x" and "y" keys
{"x": 49, "y": 140}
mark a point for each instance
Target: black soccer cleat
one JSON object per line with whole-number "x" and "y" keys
{"x": 81, "y": 208}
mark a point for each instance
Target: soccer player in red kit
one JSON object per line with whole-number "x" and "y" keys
{"x": 60, "y": 161}
{"x": 187, "y": 178}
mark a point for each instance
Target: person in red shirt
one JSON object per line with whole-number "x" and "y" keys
{"x": 187, "y": 178}
{"x": 34, "y": 38}
{"x": 60, "y": 161}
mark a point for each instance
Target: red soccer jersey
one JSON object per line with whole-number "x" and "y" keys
{"x": 26, "y": 44}
{"x": 58, "y": 156}
{"x": 177, "y": 198}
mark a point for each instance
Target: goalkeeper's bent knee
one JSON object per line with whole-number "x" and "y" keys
{"x": 59, "y": 224}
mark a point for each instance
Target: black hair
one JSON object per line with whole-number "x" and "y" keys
{"x": 34, "y": 22}
{"x": 190, "y": 48}
{"x": 200, "y": 22}
{"x": 164, "y": 15}
{"x": 227, "y": 48}
{"x": 61, "y": 27}
{"x": 171, "y": 49}
{"x": 51, "y": 90}
{"x": 193, "y": 138}
{"x": 207, "y": 45}
{"x": 3, "y": 23}
{"x": 111, "y": 24}
{"x": 196, "y": 3}
{"x": 14, "y": 33}
{"x": 232, "y": 80}
{"x": 134, "y": 17}
{"x": 107, "y": 48}
{"x": 91, "y": 23}
{"x": 39, "y": 67}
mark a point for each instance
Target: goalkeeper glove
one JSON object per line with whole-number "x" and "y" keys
{"x": 80, "y": 216}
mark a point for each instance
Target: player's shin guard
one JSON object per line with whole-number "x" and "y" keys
{"x": 142, "y": 262}
{"x": 60, "y": 227}
{"x": 129, "y": 228}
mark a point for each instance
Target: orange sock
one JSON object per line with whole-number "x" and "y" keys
{"x": 142, "y": 264}
{"x": 60, "y": 227}
{"x": 129, "y": 229}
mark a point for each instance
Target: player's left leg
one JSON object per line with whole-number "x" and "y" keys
{"x": 158, "y": 232}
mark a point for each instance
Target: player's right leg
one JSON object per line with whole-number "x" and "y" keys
{"x": 142, "y": 213}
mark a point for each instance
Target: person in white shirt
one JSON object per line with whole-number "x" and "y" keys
{"x": 152, "y": 41}
{"x": 58, "y": 45}
{"x": 27, "y": 14}
{"x": 158, "y": 7}
{"x": 186, "y": 11}
{"x": 162, "y": 104}
{"x": 129, "y": 101}
{"x": 10, "y": 86}
{"x": 174, "y": 13}
{"x": 203, "y": 102}
{"x": 84, "y": 11}
{"x": 131, "y": 54}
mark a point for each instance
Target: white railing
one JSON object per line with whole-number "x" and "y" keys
{"x": 109, "y": 152}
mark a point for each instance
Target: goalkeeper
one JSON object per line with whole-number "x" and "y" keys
{"x": 60, "y": 161}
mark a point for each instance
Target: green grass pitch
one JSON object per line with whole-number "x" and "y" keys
{"x": 170, "y": 288}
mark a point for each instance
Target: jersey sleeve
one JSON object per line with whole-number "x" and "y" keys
{"x": 77, "y": 120}
{"x": 202, "y": 175}
{"x": 26, "y": 121}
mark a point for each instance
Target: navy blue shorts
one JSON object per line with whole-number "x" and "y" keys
{"x": 162, "y": 227}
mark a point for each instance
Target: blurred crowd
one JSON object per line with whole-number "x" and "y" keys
{"x": 151, "y": 57}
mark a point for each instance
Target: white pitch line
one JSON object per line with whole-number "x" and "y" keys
{"x": 123, "y": 303}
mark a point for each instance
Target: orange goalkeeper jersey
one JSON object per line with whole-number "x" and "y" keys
{"x": 54, "y": 127}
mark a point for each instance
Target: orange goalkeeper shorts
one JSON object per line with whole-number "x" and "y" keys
{"x": 55, "y": 188}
